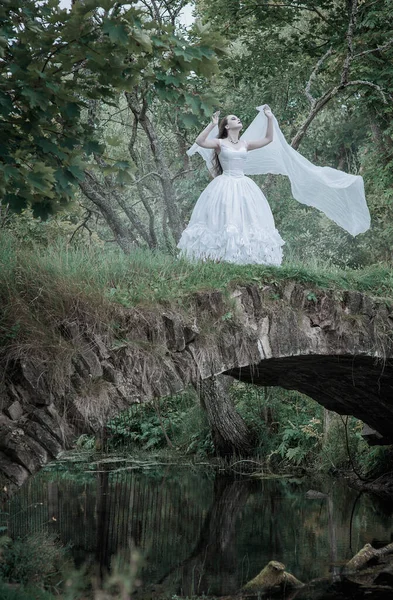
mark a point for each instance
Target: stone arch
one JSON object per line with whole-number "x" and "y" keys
{"x": 335, "y": 346}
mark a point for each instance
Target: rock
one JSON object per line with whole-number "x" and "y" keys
{"x": 38, "y": 384}
{"x": 22, "y": 449}
{"x": 272, "y": 576}
{"x": 13, "y": 471}
{"x": 385, "y": 577}
{"x": 110, "y": 373}
{"x": 373, "y": 438}
{"x": 314, "y": 495}
{"x": 91, "y": 364}
{"x": 44, "y": 438}
{"x": 15, "y": 411}
{"x": 361, "y": 559}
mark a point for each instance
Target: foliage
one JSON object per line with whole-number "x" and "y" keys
{"x": 142, "y": 427}
{"x": 56, "y": 64}
{"x": 177, "y": 421}
{"x": 42, "y": 569}
{"x": 59, "y": 228}
{"x": 29, "y": 593}
{"x": 36, "y": 558}
{"x": 290, "y": 430}
{"x": 286, "y": 423}
{"x": 377, "y": 460}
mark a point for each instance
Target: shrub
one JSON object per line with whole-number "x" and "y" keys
{"x": 36, "y": 559}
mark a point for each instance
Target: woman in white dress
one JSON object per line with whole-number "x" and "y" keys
{"x": 232, "y": 220}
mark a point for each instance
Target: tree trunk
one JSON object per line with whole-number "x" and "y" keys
{"x": 214, "y": 557}
{"x": 123, "y": 235}
{"x": 231, "y": 435}
{"x": 139, "y": 111}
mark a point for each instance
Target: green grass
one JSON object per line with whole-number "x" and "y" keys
{"x": 146, "y": 277}
{"x": 41, "y": 288}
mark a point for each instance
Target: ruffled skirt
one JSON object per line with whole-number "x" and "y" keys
{"x": 232, "y": 222}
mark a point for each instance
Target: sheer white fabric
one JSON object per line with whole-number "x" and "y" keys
{"x": 232, "y": 220}
{"x": 337, "y": 194}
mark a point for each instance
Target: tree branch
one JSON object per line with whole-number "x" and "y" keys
{"x": 350, "y": 34}
{"x": 377, "y": 49}
{"x": 83, "y": 224}
{"x": 182, "y": 173}
{"x": 296, "y": 6}
{"x": 313, "y": 75}
{"x": 370, "y": 84}
{"x": 144, "y": 177}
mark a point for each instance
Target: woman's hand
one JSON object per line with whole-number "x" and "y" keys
{"x": 267, "y": 110}
{"x": 216, "y": 117}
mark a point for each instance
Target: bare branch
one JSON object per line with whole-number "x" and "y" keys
{"x": 110, "y": 118}
{"x": 156, "y": 11}
{"x": 152, "y": 173}
{"x": 134, "y": 134}
{"x": 370, "y": 84}
{"x": 95, "y": 192}
{"x": 296, "y": 6}
{"x": 377, "y": 49}
{"x": 350, "y": 34}
{"x": 149, "y": 8}
{"x": 182, "y": 173}
{"x": 83, "y": 224}
{"x": 313, "y": 75}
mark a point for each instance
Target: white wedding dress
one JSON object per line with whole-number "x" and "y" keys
{"x": 232, "y": 220}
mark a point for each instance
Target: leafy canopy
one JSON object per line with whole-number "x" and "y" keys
{"x": 54, "y": 64}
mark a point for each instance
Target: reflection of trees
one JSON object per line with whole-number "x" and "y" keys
{"x": 203, "y": 536}
{"x": 212, "y": 566}
{"x": 103, "y": 522}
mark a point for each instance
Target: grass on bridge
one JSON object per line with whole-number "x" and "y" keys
{"x": 148, "y": 278}
{"x": 41, "y": 288}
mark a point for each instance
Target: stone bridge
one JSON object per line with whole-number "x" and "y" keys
{"x": 334, "y": 346}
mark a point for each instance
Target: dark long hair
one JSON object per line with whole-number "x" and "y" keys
{"x": 222, "y": 133}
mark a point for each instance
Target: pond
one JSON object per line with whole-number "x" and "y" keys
{"x": 199, "y": 532}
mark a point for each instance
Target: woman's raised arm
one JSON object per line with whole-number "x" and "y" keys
{"x": 255, "y": 144}
{"x": 202, "y": 137}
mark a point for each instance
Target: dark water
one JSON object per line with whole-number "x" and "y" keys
{"x": 200, "y": 533}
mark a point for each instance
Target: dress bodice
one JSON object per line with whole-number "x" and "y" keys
{"x": 232, "y": 161}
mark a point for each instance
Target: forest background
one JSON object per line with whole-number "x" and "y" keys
{"x": 98, "y": 106}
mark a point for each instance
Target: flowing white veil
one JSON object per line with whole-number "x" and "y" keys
{"x": 337, "y": 194}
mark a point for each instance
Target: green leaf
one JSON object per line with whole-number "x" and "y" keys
{"x": 35, "y": 98}
{"x": 117, "y": 32}
{"x": 37, "y": 181}
{"x": 143, "y": 39}
{"x": 124, "y": 178}
{"x": 64, "y": 179}
{"x": 49, "y": 147}
{"x": 76, "y": 172}
{"x": 122, "y": 164}
{"x": 71, "y": 110}
{"x": 93, "y": 147}
{"x": 6, "y": 103}
{"x": 9, "y": 172}
{"x": 189, "y": 120}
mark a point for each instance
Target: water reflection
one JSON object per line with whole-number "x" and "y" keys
{"x": 199, "y": 533}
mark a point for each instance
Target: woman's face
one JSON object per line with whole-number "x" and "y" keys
{"x": 233, "y": 122}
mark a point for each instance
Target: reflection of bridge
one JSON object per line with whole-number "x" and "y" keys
{"x": 197, "y": 535}
{"x": 334, "y": 346}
